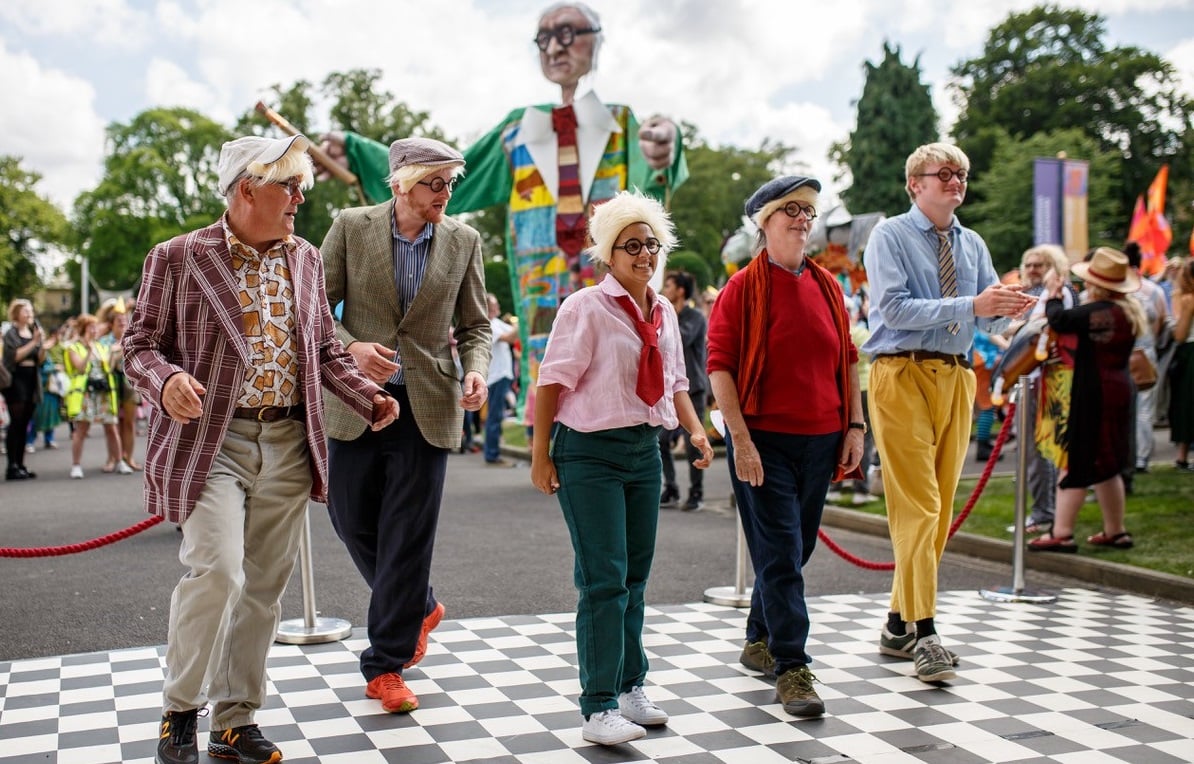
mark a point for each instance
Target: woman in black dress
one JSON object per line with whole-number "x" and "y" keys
{"x": 23, "y": 355}
{"x": 1106, "y": 326}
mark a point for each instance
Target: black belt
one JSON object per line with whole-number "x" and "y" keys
{"x": 929, "y": 355}
{"x": 270, "y": 413}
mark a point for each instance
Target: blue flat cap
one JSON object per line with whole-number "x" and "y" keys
{"x": 776, "y": 189}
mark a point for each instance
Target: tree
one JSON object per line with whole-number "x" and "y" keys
{"x": 709, "y": 206}
{"x": 895, "y": 114}
{"x": 159, "y": 181}
{"x": 1049, "y": 69}
{"x": 1005, "y": 213}
{"x": 30, "y": 224}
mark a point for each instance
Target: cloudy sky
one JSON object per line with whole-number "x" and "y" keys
{"x": 741, "y": 70}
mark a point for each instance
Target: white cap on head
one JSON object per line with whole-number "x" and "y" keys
{"x": 254, "y": 154}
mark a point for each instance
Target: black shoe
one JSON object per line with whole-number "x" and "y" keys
{"x": 244, "y": 744}
{"x": 17, "y": 472}
{"x": 694, "y": 503}
{"x": 176, "y": 740}
{"x": 670, "y": 497}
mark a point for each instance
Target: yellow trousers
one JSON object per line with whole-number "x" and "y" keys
{"x": 920, "y": 414}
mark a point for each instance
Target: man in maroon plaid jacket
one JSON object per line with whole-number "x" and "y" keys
{"x": 231, "y": 340}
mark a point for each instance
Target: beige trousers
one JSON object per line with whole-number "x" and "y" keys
{"x": 239, "y": 545}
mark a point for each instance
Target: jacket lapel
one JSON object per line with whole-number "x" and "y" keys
{"x": 437, "y": 270}
{"x": 379, "y": 239}
{"x": 214, "y": 278}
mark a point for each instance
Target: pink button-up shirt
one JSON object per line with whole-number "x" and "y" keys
{"x": 593, "y": 354}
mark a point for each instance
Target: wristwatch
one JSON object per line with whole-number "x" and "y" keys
{"x": 858, "y": 426}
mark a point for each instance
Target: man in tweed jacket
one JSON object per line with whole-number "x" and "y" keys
{"x": 408, "y": 277}
{"x": 232, "y": 340}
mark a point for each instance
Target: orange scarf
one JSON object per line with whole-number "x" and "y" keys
{"x": 756, "y": 302}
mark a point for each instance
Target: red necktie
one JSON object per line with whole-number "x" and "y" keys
{"x": 649, "y": 385}
{"x": 570, "y": 209}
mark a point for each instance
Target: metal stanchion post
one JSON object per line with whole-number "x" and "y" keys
{"x": 310, "y": 629}
{"x": 1024, "y": 432}
{"x": 737, "y": 595}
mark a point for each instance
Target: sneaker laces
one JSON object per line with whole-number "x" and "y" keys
{"x": 637, "y": 699}
{"x": 181, "y": 726}
{"x": 801, "y": 677}
{"x": 934, "y": 652}
{"x": 392, "y": 682}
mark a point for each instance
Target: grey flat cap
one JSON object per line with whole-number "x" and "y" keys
{"x": 426, "y": 151}
{"x": 775, "y": 189}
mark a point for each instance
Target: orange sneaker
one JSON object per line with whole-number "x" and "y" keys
{"x": 393, "y": 693}
{"x": 429, "y": 623}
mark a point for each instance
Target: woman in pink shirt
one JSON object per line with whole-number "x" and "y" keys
{"x": 612, "y": 375}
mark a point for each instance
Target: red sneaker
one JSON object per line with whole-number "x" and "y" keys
{"x": 429, "y": 623}
{"x": 393, "y": 693}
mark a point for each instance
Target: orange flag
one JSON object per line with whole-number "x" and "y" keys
{"x": 1149, "y": 227}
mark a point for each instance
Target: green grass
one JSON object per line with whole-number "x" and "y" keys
{"x": 1160, "y": 517}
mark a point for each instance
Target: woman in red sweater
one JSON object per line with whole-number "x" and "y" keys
{"x": 784, "y": 371}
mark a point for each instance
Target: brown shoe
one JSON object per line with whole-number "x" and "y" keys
{"x": 429, "y": 623}
{"x": 395, "y": 696}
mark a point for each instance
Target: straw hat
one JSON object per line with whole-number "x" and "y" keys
{"x": 1109, "y": 269}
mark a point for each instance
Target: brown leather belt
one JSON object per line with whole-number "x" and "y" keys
{"x": 270, "y": 413}
{"x": 929, "y": 355}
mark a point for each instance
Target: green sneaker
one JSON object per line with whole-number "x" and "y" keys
{"x": 904, "y": 646}
{"x": 795, "y": 691}
{"x": 756, "y": 657}
{"x": 933, "y": 663}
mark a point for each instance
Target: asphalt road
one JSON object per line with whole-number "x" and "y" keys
{"x": 502, "y": 549}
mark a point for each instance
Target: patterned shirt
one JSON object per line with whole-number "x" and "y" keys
{"x": 267, "y": 299}
{"x": 410, "y": 260}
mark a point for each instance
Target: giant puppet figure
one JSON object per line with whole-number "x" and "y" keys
{"x": 551, "y": 166}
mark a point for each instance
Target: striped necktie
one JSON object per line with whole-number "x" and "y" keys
{"x": 947, "y": 273}
{"x": 570, "y": 208}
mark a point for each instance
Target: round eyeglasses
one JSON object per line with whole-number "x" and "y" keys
{"x": 438, "y": 184}
{"x": 796, "y": 209}
{"x": 945, "y": 175}
{"x": 564, "y": 34}
{"x": 293, "y": 186}
{"x": 634, "y": 246}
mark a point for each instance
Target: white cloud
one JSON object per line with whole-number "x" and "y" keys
{"x": 55, "y": 130}
{"x": 1182, "y": 58}
{"x": 167, "y": 84}
{"x": 108, "y": 23}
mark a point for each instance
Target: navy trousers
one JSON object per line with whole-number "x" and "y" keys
{"x": 780, "y": 520}
{"x": 384, "y": 493}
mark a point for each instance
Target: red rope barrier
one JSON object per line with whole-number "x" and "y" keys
{"x": 996, "y": 449}
{"x": 83, "y": 546}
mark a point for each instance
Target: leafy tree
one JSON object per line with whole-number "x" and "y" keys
{"x": 1006, "y": 211}
{"x": 159, "y": 180}
{"x": 1049, "y": 69}
{"x": 709, "y": 207}
{"x": 30, "y": 224}
{"x": 895, "y": 114}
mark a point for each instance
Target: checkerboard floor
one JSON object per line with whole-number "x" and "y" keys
{"x": 1094, "y": 677}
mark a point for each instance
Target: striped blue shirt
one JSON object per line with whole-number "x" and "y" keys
{"x": 410, "y": 261}
{"x": 907, "y": 309}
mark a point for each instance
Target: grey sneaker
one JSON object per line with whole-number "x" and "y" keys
{"x": 933, "y": 662}
{"x": 756, "y": 657}
{"x": 795, "y": 691}
{"x": 903, "y": 645}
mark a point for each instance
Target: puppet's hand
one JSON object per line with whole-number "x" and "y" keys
{"x": 657, "y": 139}
{"x": 333, "y": 145}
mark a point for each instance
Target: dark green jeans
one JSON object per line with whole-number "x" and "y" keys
{"x": 609, "y": 493}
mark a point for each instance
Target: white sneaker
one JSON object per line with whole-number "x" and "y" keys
{"x": 76, "y": 472}
{"x": 123, "y": 467}
{"x": 609, "y": 727}
{"x": 638, "y": 708}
